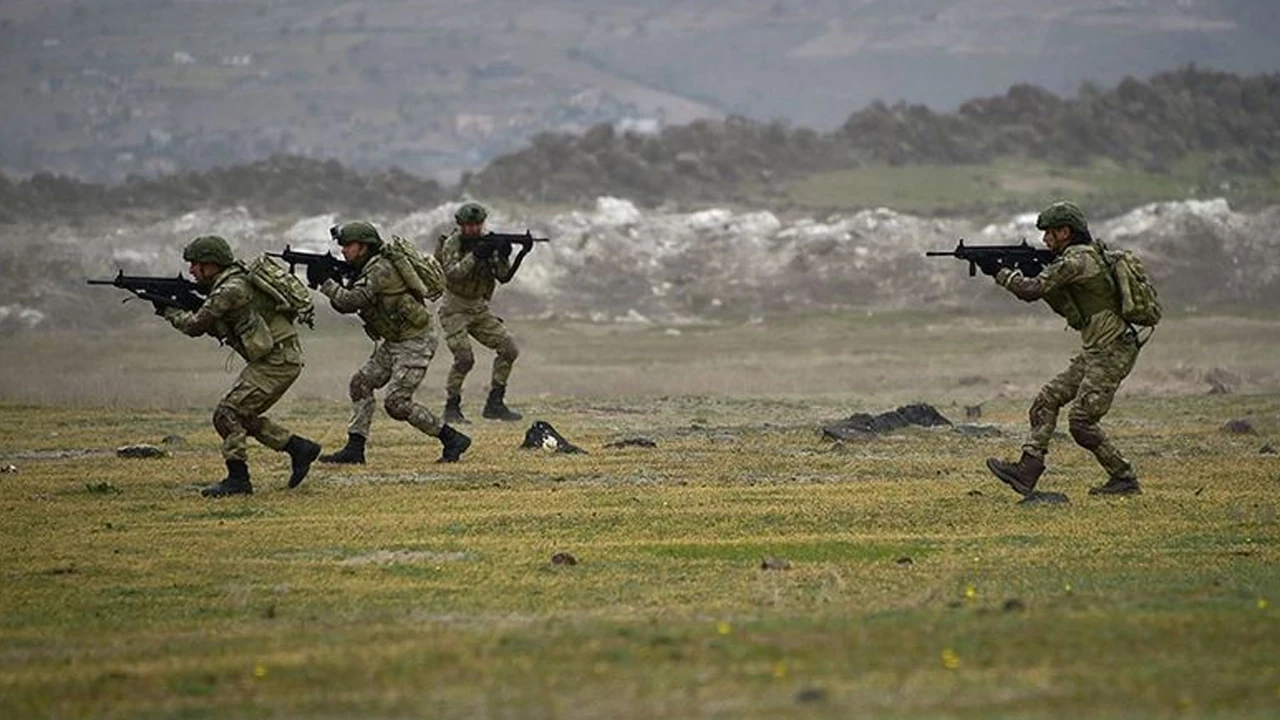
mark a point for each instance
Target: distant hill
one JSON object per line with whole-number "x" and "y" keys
{"x": 104, "y": 90}
{"x": 1184, "y": 133}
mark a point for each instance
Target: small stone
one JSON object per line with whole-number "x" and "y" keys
{"x": 811, "y": 695}
{"x": 9, "y": 469}
{"x": 141, "y": 451}
{"x": 173, "y": 441}
{"x": 974, "y": 493}
{"x": 775, "y": 563}
{"x": 1267, "y": 449}
{"x": 563, "y": 558}
{"x": 1238, "y": 426}
{"x": 904, "y": 561}
{"x": 1014, "y": 605}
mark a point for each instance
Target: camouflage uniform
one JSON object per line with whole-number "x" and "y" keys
{"x": 400, "y": 325}
{"x": 247, "y": 320}
{"x": 470, "y": 282}
{"x": 1078, "y": 286}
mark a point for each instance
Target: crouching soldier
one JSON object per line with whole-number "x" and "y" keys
{"x": 400, "y": 325}
{"x": 245, "y": 318}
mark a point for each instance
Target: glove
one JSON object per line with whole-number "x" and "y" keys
{"x": 989, "y": 266}
{"x": 315, "y": 276}
{"x": 483, "y": 251}
{"x": 158, "y": 307}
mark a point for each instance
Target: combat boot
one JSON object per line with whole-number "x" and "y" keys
{"x": 302, "y": 452}
{"x": 1118, "y": 486}
{"x": 454, "y": 442}
{"x": 1022, "y": 475}
{"x": 351, "y": 453}
{"x": 495, "y": 408}
{"x": 453, "y": 410}
{"x": 236, "y": 482}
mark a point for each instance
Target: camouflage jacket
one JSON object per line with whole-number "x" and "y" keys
{"x": 1078, "y": 286}
{"x": 468, "y": 279}
{"x": 383, "y": 302}
{"x": 238, "y": 314}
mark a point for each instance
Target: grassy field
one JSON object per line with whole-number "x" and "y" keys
{"x": 916, "y": 586}
{"x": 1005, "y": 186}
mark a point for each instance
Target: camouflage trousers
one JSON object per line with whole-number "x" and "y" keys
{"x": 400, "y": 367}
{"x": 261, "y": 384}
{"x": 1091, "y": 380}
{"x": 461, "y": 323}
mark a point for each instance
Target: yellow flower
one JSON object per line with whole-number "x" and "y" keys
{"x": 970, "y": 592}
{"x": 1263, "y": 603}
{"x": 950, "y": 660}
{"x": 259, "y": 670}
{"x": 780, "y": 669}
{"x": 723, "y": 628}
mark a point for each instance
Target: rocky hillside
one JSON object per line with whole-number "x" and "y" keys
{"x": 614, "y": 261}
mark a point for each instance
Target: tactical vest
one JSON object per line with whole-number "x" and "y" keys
{"x": 396, "y": 314}
{"x": 252, "y": 330}
{"x": 1094, "y": 293}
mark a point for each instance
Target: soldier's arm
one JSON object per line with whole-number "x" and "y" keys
{"x": 1056, "y": 275}
{"x": 220, "y": 303}
{"x": 362, "y": 294}
{"x": 458, "y": 264}
{"x": 500, "y": 264}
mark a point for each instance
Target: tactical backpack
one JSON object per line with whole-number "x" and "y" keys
{"x": 422, "y": 274}
{"x": 289, "y": 295}
{"x": 1139, "y": 302}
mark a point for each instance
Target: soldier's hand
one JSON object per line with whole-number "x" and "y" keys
{"x": 158, "y": 307}
{"x": 315, "y": 276}
{"x": 989, "y": 266}
{"x": 483, "y": 251}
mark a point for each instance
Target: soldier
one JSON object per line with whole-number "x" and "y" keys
{"x": 400, "y": 326}
{"x": 1079, "y": 286}
{"x": 472, "y": 271}
{"x": 242, "y": 316}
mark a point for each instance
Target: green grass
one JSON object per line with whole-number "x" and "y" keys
{"x": 916, "y": 587}
{"x": 1007, "y": 185}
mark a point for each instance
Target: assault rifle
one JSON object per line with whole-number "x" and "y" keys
{"x": 177, "y": 291}
{"x": 500, "y": 244}
{"x": 320, "y": 266}
{"x": 1029, "y": 260}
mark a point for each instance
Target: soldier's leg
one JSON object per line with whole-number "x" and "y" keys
{"x": 456, "y": 338}
{"x": 1023, "y": 475}
{"x": 489, "y": 330}
{"x": 239, "y": 415}
{"x": 1104, "y": 370}
{"x": 410, "y": 359}
{"x": 1043, "y": 414}
{"x": 375, "y": 373}
{"x": 410, "y": 366}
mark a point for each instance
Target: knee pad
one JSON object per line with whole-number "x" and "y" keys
{"x": 463, "y": 361}
{"x": 1086, "y": 434}
{"x": 398, "y": 407}
{"x": 359, "y": 388}
{"x": 1042, "y": 410}
{"x": 225, "y": 421}
{"x": 509, "y": 351}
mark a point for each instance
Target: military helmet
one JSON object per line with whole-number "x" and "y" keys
{"x": 359, "y": 231}
{"x": 209, "y": 249}
{"x": 470, "y": 213}
{"x": 1062, "y": 214}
